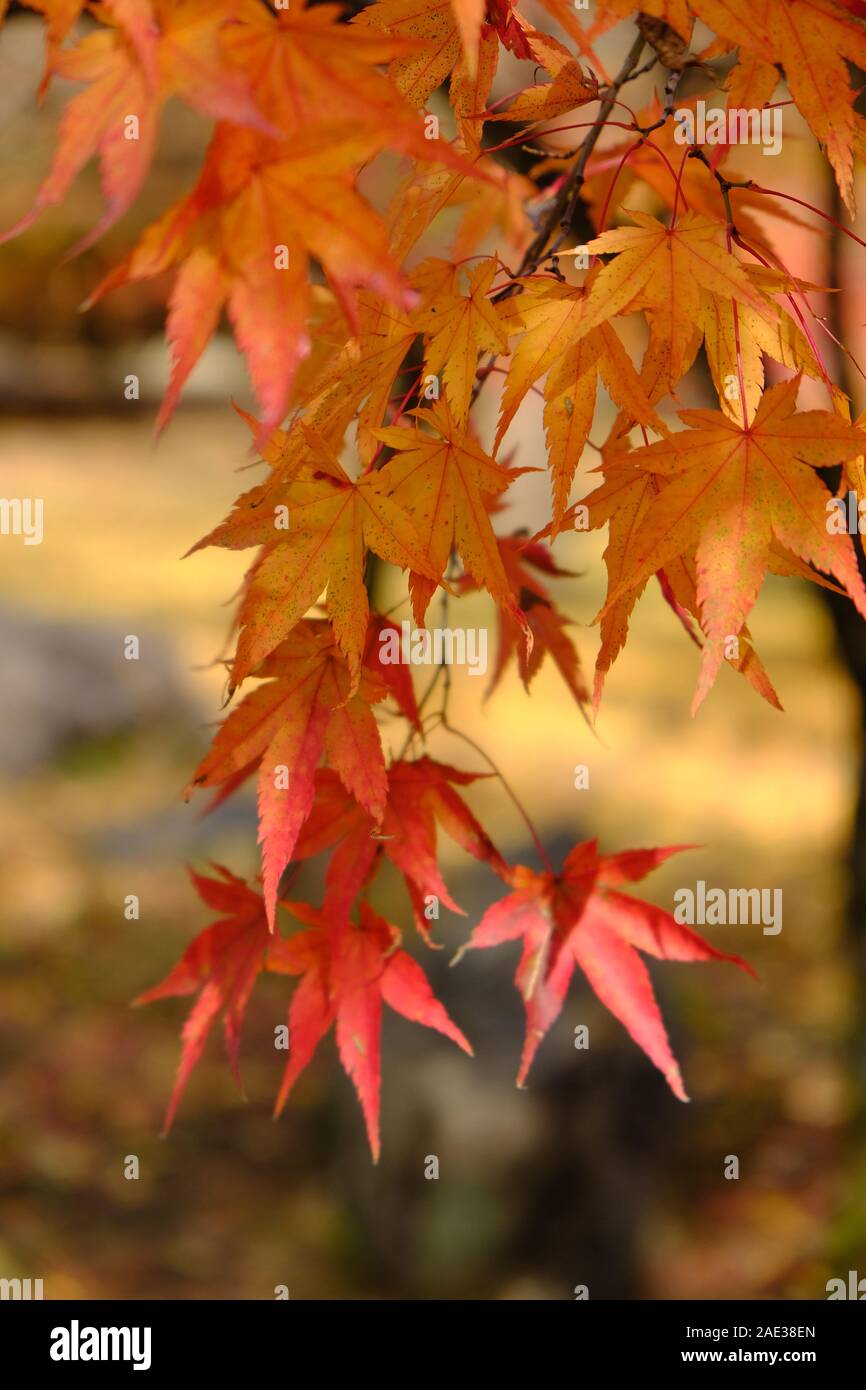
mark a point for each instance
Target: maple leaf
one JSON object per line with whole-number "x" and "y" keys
{"x": 441, "y": 479}
{"x": 622, "y": 501}
{"x": 311, "y": 72}
{"x": 221, "y": 966}
{"x": 460, "y": 327}
{"x": 730, "y": 491}
{"x": 134, "y": 16}
{"x": 577, "y": 917}
{"x": 571, "y": 86}
{"x": 554, "y": 341}
{"x": 737, "y": 340}
{"x": 244, "y": 239}
{"x": 675, "y": 13}
{"x": 524, "y": 560}
{"x": 470, "y": 15}
{"x": 267, "y": 203}
{"x": 421, "y": 796}
{"x": 668, "y": 271}
{"x": 813, "y": 40}
{"x": 304, "y": 709}
{"x": 332, "y": 523}
{"x": 519, "y": 37}
{"x": 437, "y": 51}
{"x": 347, "y": 973}
{"x": 164, "y": 49}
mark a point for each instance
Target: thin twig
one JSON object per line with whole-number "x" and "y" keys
{"x": 536, "y": 839}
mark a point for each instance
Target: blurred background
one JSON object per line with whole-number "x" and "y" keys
{"x": 594, "y": 1175}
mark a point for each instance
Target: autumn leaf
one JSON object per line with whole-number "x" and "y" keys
{"x": 117, "y": 116}
{"x": 440, "y": 479}
{"x": 304, "y": 710}
{"x": 437, "y": 48}
{"x": 347, "y": 973}
{"x": 623, "y": 500}
{"x": 267, "y": 204}
{"x": 460, "y": 327}
{"x": 668, "y": 271}
{"x": 422, "y": 797}
{"x": 577, "y": 917}
{"x": 312, "y": 73}
{"x": 813, "y": 41}
{"x": 571, "y": 87}
{"x": 243, "y": 240}
{"x": 221, "y": 966}
{"x": 551, "y": 315}
{"x": 525, "y": 560}
{"x": 332, "y": 522}
{"x": 731, "y": 490}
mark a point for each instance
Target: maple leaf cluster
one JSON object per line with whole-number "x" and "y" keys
{"x": 367, "y": 347}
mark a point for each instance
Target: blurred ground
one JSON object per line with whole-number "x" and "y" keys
{"x": 594, "y": 1174}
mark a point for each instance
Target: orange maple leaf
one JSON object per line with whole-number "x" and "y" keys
{"x": 668, "y": 271}
{"x": 167, "y": 48}
{"x": 525, "y": 560}
{"x": 304, "y": 709}
{"x": 329, "y": 523}
{"x": 813, "y": 41}
{"x": 731, "y": 489}
{"x": 460, "y": 327}
{"x": 441, "y": 480}
{"x": 550, "y": 316}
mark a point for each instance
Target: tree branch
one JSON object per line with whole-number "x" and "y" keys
{"x": 562, "y": 214}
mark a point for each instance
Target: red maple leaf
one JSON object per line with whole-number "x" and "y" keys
{"x": 421, "y": 796}
{"x": 221, "y": 966}
{"x": 347, "y": 972}
{"x": 577, "y": 917}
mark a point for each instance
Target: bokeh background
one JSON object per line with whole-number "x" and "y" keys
{"x": 593, "y": 1175}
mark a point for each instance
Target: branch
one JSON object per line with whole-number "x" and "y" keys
{"x": 563, "y": 210}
